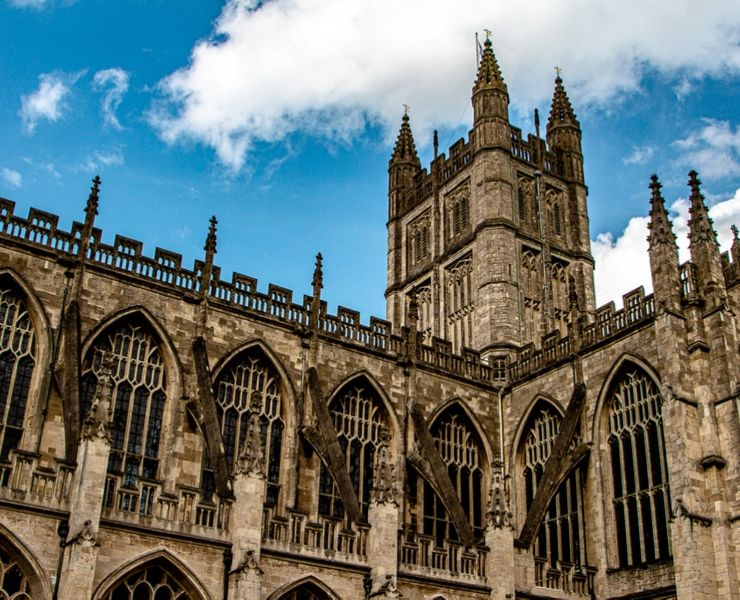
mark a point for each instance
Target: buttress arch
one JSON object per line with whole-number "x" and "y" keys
{"x": 160, "y": 557}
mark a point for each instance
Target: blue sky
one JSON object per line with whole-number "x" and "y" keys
{"x": 279, "y": 117}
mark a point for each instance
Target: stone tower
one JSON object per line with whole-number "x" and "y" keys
{"x": 493, "y": 239}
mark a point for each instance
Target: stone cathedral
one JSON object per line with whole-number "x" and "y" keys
{"x": 167, "y": 434}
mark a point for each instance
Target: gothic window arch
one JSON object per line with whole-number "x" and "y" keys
{"x": 14, "y": 582}
{"x": 359, "y": 417}
{"x": 156, "y": 579}
{"x": 418, "y": 236}
{"x": 639, "y": 472}
{"x": 307, "y": 591}
{"x": 532, "y": 294}
{"x": 461, "y": 450}
{"x": 139, "y": 379}
{"x": 17, "y": 362}
{"x": 458, "y": 212}
{"x": 560, "y": 537}
{"x": 249, "y": 378}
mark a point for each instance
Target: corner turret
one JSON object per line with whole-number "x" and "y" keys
{"x": 403, "y": 167}
{"x": 564, "y": 134}
{"x": 490, "y": 103}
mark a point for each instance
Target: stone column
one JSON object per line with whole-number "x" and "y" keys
{"x": 246, "y": 513}
{"x": 500, "y": 536}
{"x": 383, "y": 515}
{"x": 86, "y": 502}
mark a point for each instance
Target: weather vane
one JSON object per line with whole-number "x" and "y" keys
{"x": 488, "y": 33}
{"x": 559, "y": 71}
{"x": 406, "y": 109}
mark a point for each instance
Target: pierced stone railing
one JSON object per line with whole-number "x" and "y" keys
{"x": 149, "y": 500}
{"x": 26, "y": 479}
{"x": 325, "y": 538}
{"x": 418, "y": 554}
{"x": 564, "y": 577}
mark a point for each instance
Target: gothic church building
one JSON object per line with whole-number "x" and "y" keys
{"x": 167, "y": 434}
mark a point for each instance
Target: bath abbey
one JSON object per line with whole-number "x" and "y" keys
{"x": 168, "y": 434}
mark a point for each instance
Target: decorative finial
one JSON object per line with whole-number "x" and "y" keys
{"x": 210, "y": 246}
{"x": 558, "y": 72}
{"x": 488, "y": 33}
{"x": 93, "y": 198}
{"x": 734, "y": 230}
{"x": 406, "y": 110}
{"x": 318, "y": 274}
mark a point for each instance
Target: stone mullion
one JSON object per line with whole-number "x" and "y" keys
{"x": 580, "y": 519}
{"x": 623, "y": 499}
{"x": 637, "y": 495}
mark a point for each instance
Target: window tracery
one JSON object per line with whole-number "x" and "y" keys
{"x": 17, "y": 361}
{"x": 532, "y": 295}
{"x": 358, "y": 419}
{"x": 154, "y": 582}
{"x": 559, "y": 291}
{"x": 458, "y": 212}
{"x": 460, "y": 305}
{"x": 460, "y": 449}
{"x": 14, "y": 583}
{"x": 139, "y": 393}
{"x": 639, "y": 470}
{"x": 560, "y": 537}
{"x": 423, "y": 294}
{"x": 418, "y": 236}
{"x": 250, "y": 376}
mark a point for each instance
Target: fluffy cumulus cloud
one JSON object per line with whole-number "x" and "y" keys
{"x": 47, "y": 102}
{"x": 714, "y": 151}
{"x": 114, "y": 84}
{"x": 11, "y": 177}
{"x": 622, "y": 264}
{"x": 328, "y": 67}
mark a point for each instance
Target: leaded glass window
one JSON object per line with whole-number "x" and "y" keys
{"x": 639, "y": 470}
{"x": 17, "y": 360}
{"x": 308, "y": 591}
{"x": 14, "y": 584}
{"x": 247, "y": 379}
{"x": 154, "y": 582}
{"x": 139, "y": 394}
{"x": 358, "y": 419}
{"x": 461, "y": 452}
{"x": 560, "y": 537}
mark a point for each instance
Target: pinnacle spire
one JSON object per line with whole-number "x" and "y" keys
{"x": 735, "y": 250}
{"x": 661, "y": 229}
{"x": 489, "y": 73}
{"x": 318, "y": 275}
{"x": 210, "y": 246}
{"x": 93, "y": 199}
{"x": 405, "y": 148}
{"x": 700, "y": 225}
{"x": 561, "y": 110}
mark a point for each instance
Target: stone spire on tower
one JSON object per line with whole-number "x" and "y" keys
{"x": 561, "y": 110}
{"x": 405, "y": 148}
{"x": 489, "y": 73}
{"x": 660, "y": 226}
{"x": 564, "y": 134}
{"x": 663, "y": 252}
{"x": 402, "y": 168}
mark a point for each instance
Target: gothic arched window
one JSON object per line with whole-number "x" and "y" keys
{"x": 460, "y": 448}
{"x": 139, "y": 394}
{"x": 460, "y": 304}
{"x": 560, "y": 537}
{"x": 358, "y": 417}
{"x": 154, "y": 581}
{"x": 14, "y": 583}
{"x": 250, "y": 378}
{"x": 307, "y": 591}
{"x": 639, "y": 470}
{"x": 17, "y": 360}
{"x": 532, "y": 295}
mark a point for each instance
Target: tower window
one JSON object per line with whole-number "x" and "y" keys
{"x": 557, "y": 219}
{"x": 522, "y": 205}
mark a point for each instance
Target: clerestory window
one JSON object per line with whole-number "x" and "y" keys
{"x": 17, "y": 361}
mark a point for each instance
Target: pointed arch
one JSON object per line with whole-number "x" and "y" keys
{"x": 252, "y": 372}
{"x": 360, "y": 411}
{"x": 471, "y": 416}
{"x": 309, "y": 583}
{"x": 539, "y": 401}
{"x": 146, "y": 377}
{"x": 13, "y": 550}
{"x": 176, "y": 573}
{"x": 628, "y": 429}
{"x": 25, "y": 343}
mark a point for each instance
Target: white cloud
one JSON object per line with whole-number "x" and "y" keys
{"x": 28, "y": 3}
{"x": 623, "y": 264}
{"x": 98, "y": 160}
{"x": 640, "y": 155}
{"x": 328, "y": 67}
{"x": 115, "y": 84}
{"x": 714, "y": 151}
{"x": 47, "y": 102}
{"x": 12, "y": 177}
